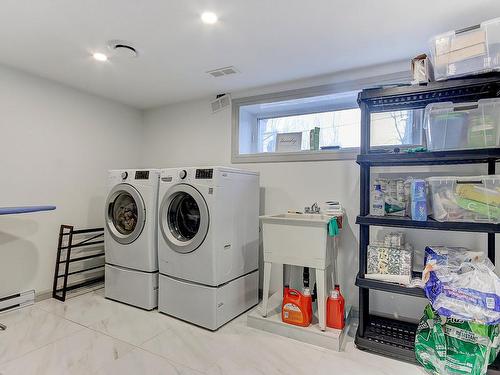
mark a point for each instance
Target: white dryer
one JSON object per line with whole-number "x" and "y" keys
{"x": 131, "y": 237}
{"x": 208, "y": 243}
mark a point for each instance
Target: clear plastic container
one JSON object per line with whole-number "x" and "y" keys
{"x": 461, "y": 126}
{"x": 471, "y": 199}
{"x": 473, "y": 50}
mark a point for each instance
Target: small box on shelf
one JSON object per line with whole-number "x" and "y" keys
{"x": 421, "y": 69}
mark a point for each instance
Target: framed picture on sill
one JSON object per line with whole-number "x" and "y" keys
{"x": 288, "y": 142}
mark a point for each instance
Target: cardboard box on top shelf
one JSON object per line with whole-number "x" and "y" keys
{"x": 421, "y": 70}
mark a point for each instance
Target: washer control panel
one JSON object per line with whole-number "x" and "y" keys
{"x": 142, "y": 175}
{"x": 204, "y": 174}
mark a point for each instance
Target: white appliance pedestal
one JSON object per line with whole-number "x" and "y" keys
{"x": 206, "y": 306}
{"x": 132, "y": 287}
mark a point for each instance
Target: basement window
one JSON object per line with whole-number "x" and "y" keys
{"x": 337, "y": 130}
{"x": 312, "y": 124}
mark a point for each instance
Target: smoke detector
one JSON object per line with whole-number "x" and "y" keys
{"x": 122, "y": 48}
{"x": 220, "y": 72}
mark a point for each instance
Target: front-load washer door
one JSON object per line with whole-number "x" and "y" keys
{"x": 126, "y": 214}
{"x": 184, "y": 218}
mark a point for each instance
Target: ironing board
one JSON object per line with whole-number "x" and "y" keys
{"x": 22, "y": 210}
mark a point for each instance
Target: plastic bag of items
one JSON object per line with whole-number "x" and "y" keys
{"x": 391, "y": 260}
{"x": 462, "y": 284}
{"x": 451, "y": 346}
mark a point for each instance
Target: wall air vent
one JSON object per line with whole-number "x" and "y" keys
{"x": 221, "y": 102}
{"x": 228, "y": 70}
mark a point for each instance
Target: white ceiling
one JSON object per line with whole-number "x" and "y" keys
{"x": 269, "y": 41}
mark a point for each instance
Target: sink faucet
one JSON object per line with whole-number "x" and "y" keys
{"x": 314, "y": 209}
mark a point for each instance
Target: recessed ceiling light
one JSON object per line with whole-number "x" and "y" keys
{"x": 121, "y": 48}
{"x": 209, "y": 18}
{"x": 100, "y": 56}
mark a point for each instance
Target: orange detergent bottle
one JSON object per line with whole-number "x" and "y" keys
{"x": 335, "y": 309}
{"x": 297, "y": 307}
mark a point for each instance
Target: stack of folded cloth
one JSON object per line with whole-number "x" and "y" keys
{"x": 333, "y": 208}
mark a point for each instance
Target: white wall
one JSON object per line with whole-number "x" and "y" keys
{"x": 188, "y": 134}
{"x": 56, "y": 145}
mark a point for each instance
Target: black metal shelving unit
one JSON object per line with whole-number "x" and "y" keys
{"x": 392, "y": 337}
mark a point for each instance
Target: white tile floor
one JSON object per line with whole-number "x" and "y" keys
{"x": 91, "y": 335}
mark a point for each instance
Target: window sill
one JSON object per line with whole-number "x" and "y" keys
{"x": 277, "y": 157}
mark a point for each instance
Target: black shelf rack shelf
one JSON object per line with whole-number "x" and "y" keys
{"x": 405, "y": 222}
{"x": 429, "y": 158}
{"x": 385, "y": 286}
{"x": 390, "y": 337}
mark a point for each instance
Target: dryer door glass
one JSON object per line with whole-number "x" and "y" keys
{"x": 125, "y": 217}
{"x": 184, "y": 218}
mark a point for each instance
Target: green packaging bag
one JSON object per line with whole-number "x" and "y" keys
{"x": 450, "y": 346}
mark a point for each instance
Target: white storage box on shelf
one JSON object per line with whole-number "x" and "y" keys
{"x": 473, "y": 50}
{"x": 470, "y": 199}
{"x": 461, "y": 126}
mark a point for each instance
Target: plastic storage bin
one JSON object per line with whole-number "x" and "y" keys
{"x": 473, "y": 50}
{"x": 473, "y": 199}
{"x": 452, "y": 126}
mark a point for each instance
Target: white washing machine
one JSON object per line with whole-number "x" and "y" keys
{"x": 208, "y": 243}
{"x": 131, "y": 237}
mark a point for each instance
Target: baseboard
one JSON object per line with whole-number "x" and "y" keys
{"x": 40, "y": 296}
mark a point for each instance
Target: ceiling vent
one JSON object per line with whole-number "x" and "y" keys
{"x": 222, "y": 101}
{"x": 122, "y": 48}
{"x": 228, "y": 70}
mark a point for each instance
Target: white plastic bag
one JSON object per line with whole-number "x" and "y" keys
{"x": 462, "y": 284}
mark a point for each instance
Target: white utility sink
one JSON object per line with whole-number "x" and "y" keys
{"x": 298, "y": 240}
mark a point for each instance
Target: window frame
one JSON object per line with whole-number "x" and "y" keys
{"x": 305, "y": 155}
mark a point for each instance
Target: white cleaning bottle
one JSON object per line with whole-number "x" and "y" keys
{"x": 378, "y": 202}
